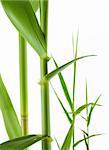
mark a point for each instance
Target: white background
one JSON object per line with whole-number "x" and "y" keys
{"x": 65, "y": 17}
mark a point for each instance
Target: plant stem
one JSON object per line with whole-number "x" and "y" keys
{"x": 74, "y": 81}
{"x": 87, "y": 112}
{"x": 45, "y": 106}
{"x": 74, "y": 85}
{"x": 74, "y": 118}
{"x": 46, "y": 145}
{"x": 23, "y": 85}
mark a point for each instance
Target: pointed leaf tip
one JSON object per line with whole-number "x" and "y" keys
{"x": 50, "y": 75}
{"x": 9, "y": 115}
{"x": 91, "y": 110}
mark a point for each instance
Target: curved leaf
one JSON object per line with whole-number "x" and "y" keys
{"x": 22, "y": 142}
{"x": 57, "y": 144}
{"x": 23, "y": 17}
{"x": 86, "y": 143}
{"x": 91, "y": 110}
{"x": 84, "y": 132}
{"x": 9, "y": 115}
{"x": 88, "y": 137}
{"x": 65, "y": 111}
{"x": 67, "y": 141}
{"x": 83, "y": 118}
{"x": 64, "y": 86}
{"x": 81, "y": 108}
{"x": 61, "y": 68}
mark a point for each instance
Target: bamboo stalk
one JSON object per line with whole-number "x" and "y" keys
{"x": 23, "y": 85}
{"x": 46, "y": 145}
{"x": 45, "y": 106}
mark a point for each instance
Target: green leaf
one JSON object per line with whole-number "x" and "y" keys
{"x": 65, "y": 111}
{"x": 74, "y": 71}
{"x": 84, "y": 132}
{"x": 83, "y": 118}
{"x": 61, "y": 68}
{"x": 88, "y": 137}
{"x": 9, "y": 115}
{"x": 91, "y": 110}
{"x": 81, "y": 108}
{"x": 23, "y": 18}
{"x": 67, "y": 141}
{"x": 64, "y": 86}
{"x": 22, "y": 142}
{"x": 86, "y": 143}
{"x": 35, "y": 4}
{"x": 87, "y": 110}
{"x": 44, "y": 16}
{"x": 76, "y": 53}
{"x": 58, "y": 144}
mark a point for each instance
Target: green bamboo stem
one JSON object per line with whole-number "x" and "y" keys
{"x": 46, "y": 145}
{"x": 45, "y": 106}
{"x": 23, "y": 85}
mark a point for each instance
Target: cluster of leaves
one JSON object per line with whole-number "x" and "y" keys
{"x": 23, "y": 17}
{"x": 89, "y": 107}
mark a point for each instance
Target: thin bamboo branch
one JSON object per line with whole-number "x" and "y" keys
{"x": 74, "y": 85}
{"x": 23, "y": 85}
{"x": 87, "y": 112}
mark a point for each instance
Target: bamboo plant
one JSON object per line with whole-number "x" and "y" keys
{"x": 75, "y": 112}
{"x": 22, "y": 15}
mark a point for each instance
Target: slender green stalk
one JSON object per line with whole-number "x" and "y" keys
{"x": 23, "y": 84}
{"x": 74, "y": 101}
{"x": 74, "y": 84}
{"x": 46, "y": 145}
{"x": 45, "y": 107}
{"x": 73, "y": 109}
{"x": 87, "y": 113}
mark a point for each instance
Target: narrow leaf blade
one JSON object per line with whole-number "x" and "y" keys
{"x": 64, "y": 109}
{"x": 85, "y": 133}
{"x": 67, "y": 141}
{"x": 57, "y": 144}
{"x": 61, "y": 68}
{"x": 88, "y": 137}
{"x": 91, "y": 110}
{"x": 64, "y": 86}
{"x": 81, "y": 108}
{"x": 86, "y": 143}
{"x": 83, "y": 118}
{"x": 22, "y": 142}
{"x": 9, "y": 115}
